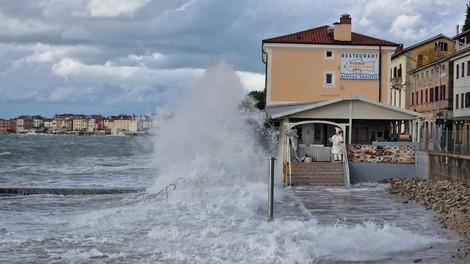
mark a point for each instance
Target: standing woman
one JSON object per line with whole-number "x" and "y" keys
{"x": 337, "y": 139}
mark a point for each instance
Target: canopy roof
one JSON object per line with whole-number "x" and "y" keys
{"x": 346, "y": 107}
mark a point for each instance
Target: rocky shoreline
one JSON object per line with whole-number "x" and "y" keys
{"x": 450, "y": 199}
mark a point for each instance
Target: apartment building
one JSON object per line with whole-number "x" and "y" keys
{"x": 432, "y": 96}
{"x": 407, "y": 59}
{"x": 6, "y": 126}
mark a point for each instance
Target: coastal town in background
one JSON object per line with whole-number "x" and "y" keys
{"x": 80, "y": 124}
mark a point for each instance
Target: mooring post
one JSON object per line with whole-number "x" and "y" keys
{"x": 271, "y": 188}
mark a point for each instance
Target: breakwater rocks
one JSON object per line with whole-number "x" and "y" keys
{"x": 450, "y": 199}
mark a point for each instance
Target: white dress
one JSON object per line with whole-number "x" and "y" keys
{"x": 337, "y": 140}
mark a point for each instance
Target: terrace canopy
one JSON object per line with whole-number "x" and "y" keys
{"x": 342, "y": 111}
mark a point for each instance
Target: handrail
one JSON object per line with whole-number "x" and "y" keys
{"x": 166, "y": 189}
{"x": 346, "y": 165}
{"x": 289, "y": 160}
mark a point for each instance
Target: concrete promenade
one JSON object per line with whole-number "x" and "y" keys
{"x": 371, "y": 203}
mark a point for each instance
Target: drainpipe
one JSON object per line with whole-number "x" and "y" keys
{"x": 350, "y": 121}
{"x": 380, "y": 74}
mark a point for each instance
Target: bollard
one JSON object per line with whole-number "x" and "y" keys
{"x": 271, "y": 189}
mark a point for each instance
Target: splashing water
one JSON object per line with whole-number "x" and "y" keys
{"x": 219, "y": 214}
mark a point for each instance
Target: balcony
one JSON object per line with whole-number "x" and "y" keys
{"x": 396, "y": 81}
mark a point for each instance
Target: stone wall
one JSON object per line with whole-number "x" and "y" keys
{"x": 455, "y": 168}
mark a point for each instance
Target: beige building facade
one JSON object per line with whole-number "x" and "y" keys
{"x": 326, "y": 63}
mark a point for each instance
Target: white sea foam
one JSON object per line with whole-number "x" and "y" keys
{"x": 5, "y": 153}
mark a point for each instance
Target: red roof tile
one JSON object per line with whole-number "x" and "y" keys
{"x": 320, "y": 35}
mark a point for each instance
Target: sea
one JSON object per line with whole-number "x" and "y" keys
{"x": 204, "y": 172}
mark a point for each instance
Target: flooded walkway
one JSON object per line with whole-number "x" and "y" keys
{"x": 370, "y": 203}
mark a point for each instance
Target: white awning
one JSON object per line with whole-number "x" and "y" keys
{"x": 340, "y": 108}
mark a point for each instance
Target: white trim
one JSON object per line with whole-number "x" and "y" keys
{"x": 269, "y": 77}
{"x": 333, "y": 76}
{"x": 325, "y": 46}
{"x": 332, "y": 54}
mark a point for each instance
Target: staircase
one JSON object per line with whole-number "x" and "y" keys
{"x": 318, "y": 174}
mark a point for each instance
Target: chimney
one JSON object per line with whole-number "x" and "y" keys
{"x": 342, "y": 30}
{"x": 399, "y": 48}
{"x": 458, "y": 29}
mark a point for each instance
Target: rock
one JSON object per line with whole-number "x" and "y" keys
{"x": 450, "y": 199}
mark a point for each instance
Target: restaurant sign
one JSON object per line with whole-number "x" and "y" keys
{"x": 360, "y": 66}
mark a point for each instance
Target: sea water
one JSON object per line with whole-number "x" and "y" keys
{"x": 215, "y": 213}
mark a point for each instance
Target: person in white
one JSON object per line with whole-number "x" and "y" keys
{"x": 294, "y": 139}
{"x": 337, "y": 139}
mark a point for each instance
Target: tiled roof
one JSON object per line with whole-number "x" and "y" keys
{"x": 320, "y": 35}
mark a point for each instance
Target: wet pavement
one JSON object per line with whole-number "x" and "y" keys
{"x": 365, "y": 203}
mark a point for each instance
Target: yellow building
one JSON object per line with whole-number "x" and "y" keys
{"x": 79, "y": 124}
{"x": 326, "y": 62}
{"x": 410, "y": 58}
{"x": 122, "y": 122}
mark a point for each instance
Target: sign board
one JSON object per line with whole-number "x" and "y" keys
{"x": 359, "y": 66}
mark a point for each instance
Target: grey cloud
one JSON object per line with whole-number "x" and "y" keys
{"x": 150, "y": 51}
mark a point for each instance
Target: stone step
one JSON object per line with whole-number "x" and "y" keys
{"x": 317, "y": 174}
{"x": 317, "y": 184}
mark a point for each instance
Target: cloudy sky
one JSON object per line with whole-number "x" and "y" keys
{"x": 133, "y": 56}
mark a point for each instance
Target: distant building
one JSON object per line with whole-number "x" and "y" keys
{"x": 6, "y": 126}
{"x": 122, "y": 122}
{"x": 24, "y": 124}
{"x": 80, "y": 123}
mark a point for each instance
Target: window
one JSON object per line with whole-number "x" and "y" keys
{"x": 467, "y": 99}
{"x": 329, "y": 79}
{"x": 463, "y": 69}
{"x": 421, "y": 95}
{"x": 427, "y": 97}
{"x": 436, "y": 93}
{"x": 329, "y": 54}
{"x": 395, "y": 72}
{"x": 468, "y": 68}
{"x": 432, "y": 72}
{"x": 457, "y": 71}
{"x": 456, "y": 101}
{"x": 462, "y": 101}
{"x": 431, "y": 94}
{"x": 420, "y": 60}
{"x": 443, "y": 92}
{"x": 399, "y": 71}
{"x": 412, "y": 98}
{"x": 442, "y": 46}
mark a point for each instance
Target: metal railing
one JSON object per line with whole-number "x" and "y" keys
{"x": 452, "y": 142}
{"x": 174, "y": 184}
{"x": 347, "y": 173}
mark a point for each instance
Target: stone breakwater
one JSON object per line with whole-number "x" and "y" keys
{"x": 450, "y": 199}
